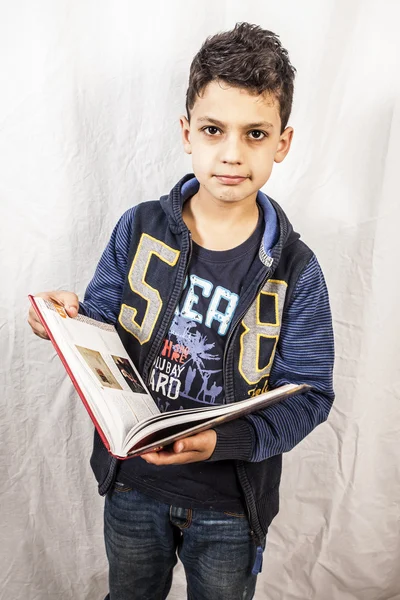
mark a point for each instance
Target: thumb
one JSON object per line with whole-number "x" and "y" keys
{"x": 187, "y": 444}
{"x": 181, "y": 446}
{"x": 68, "y": 300}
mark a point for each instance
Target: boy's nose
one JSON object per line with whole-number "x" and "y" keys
{"x": 232, "y": 152}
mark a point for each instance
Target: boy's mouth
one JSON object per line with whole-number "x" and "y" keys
{"x": 230, "y": 179}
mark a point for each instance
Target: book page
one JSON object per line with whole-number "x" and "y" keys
{"x": 112, "y": 387}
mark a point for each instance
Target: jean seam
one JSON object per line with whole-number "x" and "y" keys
{"x": 122, "y": 489}
{"x": 188, "y": 520}
{"x": 233, "y": 514}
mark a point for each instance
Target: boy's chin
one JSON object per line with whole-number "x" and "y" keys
{"x": 233, "y": 196}
{"x": 233, "y": 193}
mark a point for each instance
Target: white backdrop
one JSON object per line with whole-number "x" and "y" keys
{"x": 90, "y": 96}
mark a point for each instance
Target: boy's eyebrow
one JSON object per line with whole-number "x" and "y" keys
{"x": 264, "y": 124}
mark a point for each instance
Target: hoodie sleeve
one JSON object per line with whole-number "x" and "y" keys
{"x": 103, "y": 295}
{"x": 305, "y": 354}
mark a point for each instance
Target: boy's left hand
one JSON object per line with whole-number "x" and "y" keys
{"x": 191, "y": 449}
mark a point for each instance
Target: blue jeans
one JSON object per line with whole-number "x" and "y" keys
{"x": 143, "y": 537}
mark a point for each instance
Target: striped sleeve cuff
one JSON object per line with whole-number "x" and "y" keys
{"x": 235, "y": 440}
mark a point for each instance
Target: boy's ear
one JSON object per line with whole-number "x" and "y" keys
{"x": 185, "y": 130}
{"x": 284, "y": 143}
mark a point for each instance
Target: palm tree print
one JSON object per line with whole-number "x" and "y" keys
{"x": 197, "y": 343}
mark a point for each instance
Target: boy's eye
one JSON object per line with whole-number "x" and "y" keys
{"x": 256, "y": 134}
{"x": 211, "y": 130}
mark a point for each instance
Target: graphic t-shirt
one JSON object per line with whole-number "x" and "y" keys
{"x": 188, "y": 373}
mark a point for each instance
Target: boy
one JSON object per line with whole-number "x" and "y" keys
{"x": 216, "y": 299}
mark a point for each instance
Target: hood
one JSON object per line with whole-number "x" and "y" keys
{"x": 278, "y": 230}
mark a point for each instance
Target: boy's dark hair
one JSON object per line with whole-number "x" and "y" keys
{"x": 248, "y": 57}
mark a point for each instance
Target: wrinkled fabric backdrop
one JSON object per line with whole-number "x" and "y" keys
{"x": 90, "y": 97}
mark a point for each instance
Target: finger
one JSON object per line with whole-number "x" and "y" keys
{"x": 68, "y": 300}
{"x": 184, "y": 445}
{"x": 154, "y": 456}
{"x": 203, "y": 442}
{"x": 36, "y": 326}
{"x": 164, "y": 458}
{"x": 192, "y": 443}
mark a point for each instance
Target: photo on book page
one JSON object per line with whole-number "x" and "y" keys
{"x": 98, "y": 366}
{"x": 128, "y": 374}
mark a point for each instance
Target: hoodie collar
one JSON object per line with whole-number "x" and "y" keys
{"x": 189, "y": 185}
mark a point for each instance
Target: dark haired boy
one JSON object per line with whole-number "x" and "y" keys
{"x": 216, "y": 299}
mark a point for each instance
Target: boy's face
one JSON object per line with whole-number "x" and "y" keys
{"x": 234, "y": 139}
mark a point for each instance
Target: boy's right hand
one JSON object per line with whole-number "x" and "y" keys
{"x": 68, "y": 300}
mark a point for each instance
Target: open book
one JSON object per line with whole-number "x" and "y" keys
{"x": 121, "y": 408}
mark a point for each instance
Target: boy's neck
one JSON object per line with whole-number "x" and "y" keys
{"x": 220, "y": 225}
